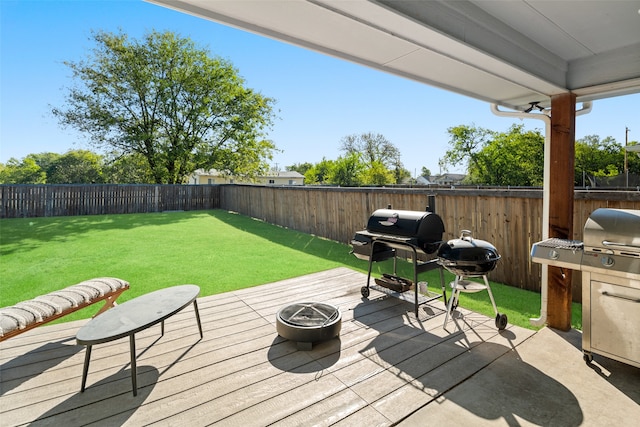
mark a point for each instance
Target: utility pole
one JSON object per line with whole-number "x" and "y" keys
{"x": 626, "y": 164}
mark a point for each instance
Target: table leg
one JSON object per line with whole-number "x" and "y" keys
{"x": 195, "y": 308}
{"x": 134, "y": 380}
{"x": 85, "y": 370}
{"x": 162, "y": 328}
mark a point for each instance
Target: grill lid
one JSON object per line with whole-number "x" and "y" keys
{"x": 425, "y": 227}
{"x": 468, "y": 256}
{"x": 613, "y": 229}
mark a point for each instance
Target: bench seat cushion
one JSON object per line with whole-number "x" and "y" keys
{"x": 42, "y": 308}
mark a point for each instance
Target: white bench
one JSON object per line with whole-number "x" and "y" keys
{"x": 46, "y": 308}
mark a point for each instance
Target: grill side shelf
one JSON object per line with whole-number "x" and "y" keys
{"x": 558, "y": 253}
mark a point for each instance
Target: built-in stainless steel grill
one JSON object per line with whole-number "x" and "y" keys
{"x": 609, "y": 258}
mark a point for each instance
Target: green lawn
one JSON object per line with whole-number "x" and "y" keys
{"x": 217, "y": 250}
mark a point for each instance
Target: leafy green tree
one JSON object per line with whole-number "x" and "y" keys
{"x": 45, "y": 160}
{"x": 166, "y": 99}
{"x": 377, "y": 174}
{"x": 25, "y": 171}
{"x": 301, "y": 168}
{"x": 319, "y": 173}
{"x": 372, "y": 148}
{"x": 375, "y": 151}
{"x": 76, "y": 167}
{"x": 425, "y": 171}
{"x": 514, "y": 157}
{"x": 466, "y": 143}
{"x": 633, "y": 160}
{"x": 127, "y": 169}
{"x": 347, "y": 171}
{"x": 597, "y": 157}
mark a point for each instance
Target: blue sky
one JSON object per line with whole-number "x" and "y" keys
{"x": 320, "y": 99}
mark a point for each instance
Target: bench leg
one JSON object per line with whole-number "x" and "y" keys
{"x": 195, "y": 308}
{"x": 85, "y": 370}
{"x": 110, "y": 302}
{"x": 134, "y": 373}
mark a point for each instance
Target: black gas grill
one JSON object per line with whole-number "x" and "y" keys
{"x": 389, "y": 230}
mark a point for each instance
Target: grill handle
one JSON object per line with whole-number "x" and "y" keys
{"x": 466, "y": 235}
{"x": 626, "y": 245}
{"x": 607, "y": 294}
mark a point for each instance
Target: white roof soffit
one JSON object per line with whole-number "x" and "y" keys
{"x": 510, "y": 53}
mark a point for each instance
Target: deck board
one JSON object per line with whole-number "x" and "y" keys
{"x": 386, "y": 367}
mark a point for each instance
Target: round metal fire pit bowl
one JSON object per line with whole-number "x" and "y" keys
{"x": 308, "y": 322}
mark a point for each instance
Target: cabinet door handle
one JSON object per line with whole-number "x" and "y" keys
{"x": 607, "y": 294}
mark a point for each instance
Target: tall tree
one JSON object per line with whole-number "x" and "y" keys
{"x": 319, "y": 173}
{"x": 76, "y": 167}
{"x": 127, "y": 169}
{"x": 466, "y": 142}
{"x": 515, "y": 157}
{"x": 169, "y": 101}
{"x": 347, "y": 171}
{"x": 371, "y": 147}
{"x": 377, "y": 174}
{"x": 25, "y": 171}
{"x": 597, "y": 157}
{"x": 375, "y": 151}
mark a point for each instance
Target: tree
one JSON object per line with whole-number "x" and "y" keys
{"x": 347, "y": 171}
{"x": 167, "y": 100}
{"x": 378, "y": 174}
{"x": 376, "y": 151}
{"x": 372, "y": 148}
{"x": 76, "y": 167}
{"x": 425, "y": 172}
{"x": 514, "y": 157}
{"x": 466, "y": 143}
{"x": 301, "y": 168}
{"x": 25, "y": 171}
{"x": 127, "y": 169}
{"x": 319, "y": 173}
{"x": 596, "y": 157}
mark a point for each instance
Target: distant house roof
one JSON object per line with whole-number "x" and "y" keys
{"x": 448, "y": 178}
{"x": 423, "y": 180}
{"x": 444, "y": 179}
{"x": 287, "y": 174}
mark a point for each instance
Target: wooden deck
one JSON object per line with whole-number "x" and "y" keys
{"x": 386, "y": 368}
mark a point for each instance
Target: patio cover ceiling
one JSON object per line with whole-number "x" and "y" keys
{"x": 510, "y": 53}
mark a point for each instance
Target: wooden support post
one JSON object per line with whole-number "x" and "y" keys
{"x": 562, "y": 152}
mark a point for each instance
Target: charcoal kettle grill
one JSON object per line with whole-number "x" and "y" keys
{"x": 467, "y": 257}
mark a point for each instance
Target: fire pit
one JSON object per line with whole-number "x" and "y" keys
{"x": 308, "y": 322}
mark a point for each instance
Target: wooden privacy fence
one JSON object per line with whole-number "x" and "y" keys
{"x": 23, "y": 201}
{"x": 509, "y": 219}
